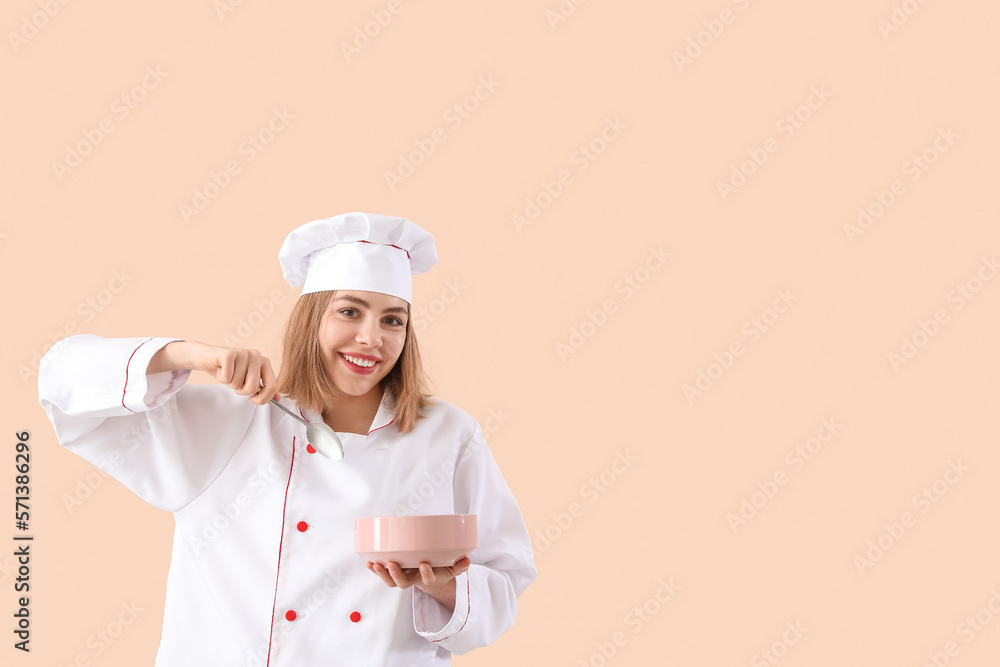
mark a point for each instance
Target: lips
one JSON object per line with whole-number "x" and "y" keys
{"x": 360, "y": 370}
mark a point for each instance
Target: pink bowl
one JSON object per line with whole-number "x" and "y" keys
{"x": 439, "y": 539}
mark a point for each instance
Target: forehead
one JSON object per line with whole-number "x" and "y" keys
{"x": 375, "y": 300}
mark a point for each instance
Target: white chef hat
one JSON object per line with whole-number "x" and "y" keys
{"x": 357, "y": 251}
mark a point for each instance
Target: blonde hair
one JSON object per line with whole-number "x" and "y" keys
{"x": 304, "y": 380}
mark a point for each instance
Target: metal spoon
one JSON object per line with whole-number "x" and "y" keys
{"x": 320, "y": 436}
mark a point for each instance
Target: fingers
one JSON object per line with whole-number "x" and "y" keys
{"x": 399, "y": 578}
{"x": 251, "y": 378}
{"x": 394, "y": 576}
{"x": 427, "y": 575}
{"x": 232, "y": 369}
{"x": 381, "y": 572}
{"x": 248, "y": 373}
{"x": 270, "y": 386}
{"x": 387, "y": 575}
{"x": 224, "y": 366}
{"x": 460, "y": 566}
{"x": 438, "y": 576}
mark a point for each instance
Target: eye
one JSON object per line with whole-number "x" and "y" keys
{"x": 395, "y": 321}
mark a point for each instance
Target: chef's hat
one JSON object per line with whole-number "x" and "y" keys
{"x": 357, "y": 251}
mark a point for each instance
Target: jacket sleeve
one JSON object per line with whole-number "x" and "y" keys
{"x": 164, "y": 440}
{"x": 503, "y": 563}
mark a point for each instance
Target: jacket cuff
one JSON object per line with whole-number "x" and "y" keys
{"x": 432, "y": 620}
{"x": 144, "y": 392}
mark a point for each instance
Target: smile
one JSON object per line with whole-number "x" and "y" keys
{"x": 360, "y": 366}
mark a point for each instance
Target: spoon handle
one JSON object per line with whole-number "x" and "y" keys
{"x": 289, "y": 411}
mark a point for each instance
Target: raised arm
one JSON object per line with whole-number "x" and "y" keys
{"x": 164, "y": 439}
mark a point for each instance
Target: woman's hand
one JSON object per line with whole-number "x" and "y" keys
{"x": 245, "y": 370}
{"x": 241, "y": 368}
{"x": 431, "y": 580}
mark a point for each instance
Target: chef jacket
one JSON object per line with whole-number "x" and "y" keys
{"x": 263, "y": 569}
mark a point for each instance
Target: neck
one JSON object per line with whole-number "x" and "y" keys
{"x": 353, "y": 414}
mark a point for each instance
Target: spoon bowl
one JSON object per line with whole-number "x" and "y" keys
{"x": 320, "y": 436}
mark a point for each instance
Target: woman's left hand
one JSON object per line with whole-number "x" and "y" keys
{"x": 424, "y": 577}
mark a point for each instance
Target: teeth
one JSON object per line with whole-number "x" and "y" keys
{"x": 360, "y": 362}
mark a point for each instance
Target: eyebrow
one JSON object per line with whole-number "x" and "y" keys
{"x": 354, "y": 299}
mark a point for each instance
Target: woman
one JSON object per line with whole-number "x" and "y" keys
{"x": 262, "y": 569}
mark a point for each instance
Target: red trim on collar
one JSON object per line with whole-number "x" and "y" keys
{"x": 369, "y": 432}
{"x": 375, "y": 429}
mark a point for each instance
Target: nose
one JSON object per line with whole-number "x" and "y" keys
{"x": 370, "y": 333}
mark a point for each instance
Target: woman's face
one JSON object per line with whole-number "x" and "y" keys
{"x": 367, "y": 326}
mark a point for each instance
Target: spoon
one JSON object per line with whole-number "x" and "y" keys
{"x": 320, "y": 436}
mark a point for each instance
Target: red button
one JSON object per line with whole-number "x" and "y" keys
{"x": 310, "y": 449}
{"x": 302, "y": 525}
{"x": 290, "y": 615}
{"x": 355, "y": 616}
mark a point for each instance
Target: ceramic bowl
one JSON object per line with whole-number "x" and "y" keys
{"x": 439, "y": 539}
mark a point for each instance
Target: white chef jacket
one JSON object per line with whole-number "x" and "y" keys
{"x": 263, "y": 569}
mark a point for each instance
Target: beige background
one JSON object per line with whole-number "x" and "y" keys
{"x": 495, "y": 310}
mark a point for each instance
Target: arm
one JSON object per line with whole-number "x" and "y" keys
{"x": 445, "y": 595}
{"x": 174, "y": 356}
{"x": 163, "y": 439}
{"x": 503, "y": 565}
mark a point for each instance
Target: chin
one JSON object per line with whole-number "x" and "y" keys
{"x": 357, "y": 387}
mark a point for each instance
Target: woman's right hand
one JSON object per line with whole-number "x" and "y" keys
{"x": 241, "y": 368}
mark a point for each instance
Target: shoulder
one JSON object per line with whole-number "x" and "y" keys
{"x": 442, "y": 417}
{"x": 449, "y": 411}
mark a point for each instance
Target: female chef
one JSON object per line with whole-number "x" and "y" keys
{"x": 262, "y": 568}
